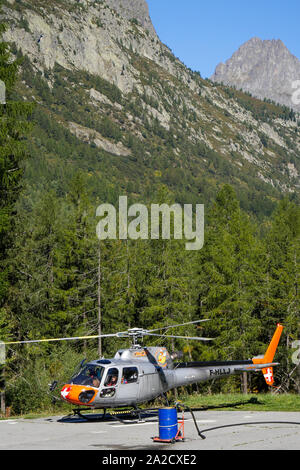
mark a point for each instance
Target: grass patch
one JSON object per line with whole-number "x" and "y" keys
{"x": 231, "y": 402}
{"x": 263, "y": 402}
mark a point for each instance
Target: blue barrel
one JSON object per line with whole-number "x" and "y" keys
{"x": 168, "y": 424}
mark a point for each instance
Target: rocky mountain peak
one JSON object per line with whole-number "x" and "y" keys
{"x": 133, "y": 9}
{"x": 265, "y": 68}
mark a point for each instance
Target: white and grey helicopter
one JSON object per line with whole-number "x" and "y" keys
{"x": 140, "y": 374}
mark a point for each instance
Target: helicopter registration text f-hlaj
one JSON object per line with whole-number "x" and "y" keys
{"x": 140, "y": 374}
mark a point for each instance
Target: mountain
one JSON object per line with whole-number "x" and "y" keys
{"x": 113, "y": 101}
{"x": 134, "y": 9}
{"x": 265, "y": 68}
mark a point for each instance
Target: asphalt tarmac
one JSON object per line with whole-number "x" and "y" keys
{"x": 74, "y": 433}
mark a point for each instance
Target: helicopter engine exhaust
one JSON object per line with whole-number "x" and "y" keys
{"x": 176, "y": 355}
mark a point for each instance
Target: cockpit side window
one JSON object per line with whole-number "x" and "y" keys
{"x": 89, "y": 375}
{"x": 130, "y": 375}
{"x": 111, "y": 377}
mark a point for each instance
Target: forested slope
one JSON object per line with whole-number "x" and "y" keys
{"x": 147, "y": 127}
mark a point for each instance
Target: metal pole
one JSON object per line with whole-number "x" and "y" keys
{"x": 99, "y": 303}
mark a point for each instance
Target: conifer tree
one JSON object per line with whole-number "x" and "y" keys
{"x": 227, "y": 280}
{"x": 282, "y": 303}
{"x": 13, "y": 127}
{"x": 167, "y": 285}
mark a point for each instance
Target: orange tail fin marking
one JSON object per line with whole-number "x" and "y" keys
{"x": 270, "y": 353}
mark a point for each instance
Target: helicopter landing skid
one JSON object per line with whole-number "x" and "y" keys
{"x": 116, "y": 415}
{"x": 77, "y": 412}
{"x": 133, "y": 413}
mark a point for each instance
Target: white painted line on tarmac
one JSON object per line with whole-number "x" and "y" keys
{"x": 8, "y": 421}
{"x": 130, "y": 425}
{"x": 203, "y": 421}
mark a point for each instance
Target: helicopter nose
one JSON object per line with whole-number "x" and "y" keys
{"x": 65, "y": 391}
{"x": 77, "y": 394}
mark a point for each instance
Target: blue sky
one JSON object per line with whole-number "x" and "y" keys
{"x": 205, "y": 33}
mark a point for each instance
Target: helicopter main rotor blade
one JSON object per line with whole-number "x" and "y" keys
{"x": 181, "y": 324}
{"x": 197, "y": 338}
{"x": 47, "y": 340}
{"x": 131, "y": 333}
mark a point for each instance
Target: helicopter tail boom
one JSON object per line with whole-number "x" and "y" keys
{"x": 189, "y": 372}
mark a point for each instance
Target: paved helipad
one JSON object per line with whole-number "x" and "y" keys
{"x": 56, "y": 433}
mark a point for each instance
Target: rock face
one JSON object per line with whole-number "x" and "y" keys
{"x": 86, "y": 35}
{"x": 98, "y": 69}
{"x": 134, "y": 9}
{"x": 266, "y": 69}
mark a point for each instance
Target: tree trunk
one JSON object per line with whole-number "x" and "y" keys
{"x": 2, "y": 391}
{"x": 244, "y": 383}
{"x": 3, "y": 408}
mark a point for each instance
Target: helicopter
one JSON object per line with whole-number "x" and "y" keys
{"x": 140, "y": 374}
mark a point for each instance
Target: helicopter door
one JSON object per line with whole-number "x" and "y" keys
{"x": 129, "y": 383}
{"x": 110, "y": 384}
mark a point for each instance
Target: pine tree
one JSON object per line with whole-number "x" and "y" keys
{"x": 33, "y": 296}
{"x": 227, "y": 280}
{"x": 282, "y": 245}
{"x": 167, "y": 282}
{"x": 13, "y": 126}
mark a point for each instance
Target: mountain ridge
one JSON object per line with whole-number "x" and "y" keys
{"x": 265, "y": 68}
{"x": 104, "y": 81}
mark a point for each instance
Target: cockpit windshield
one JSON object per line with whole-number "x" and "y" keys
{"x": 89, "y": 375}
